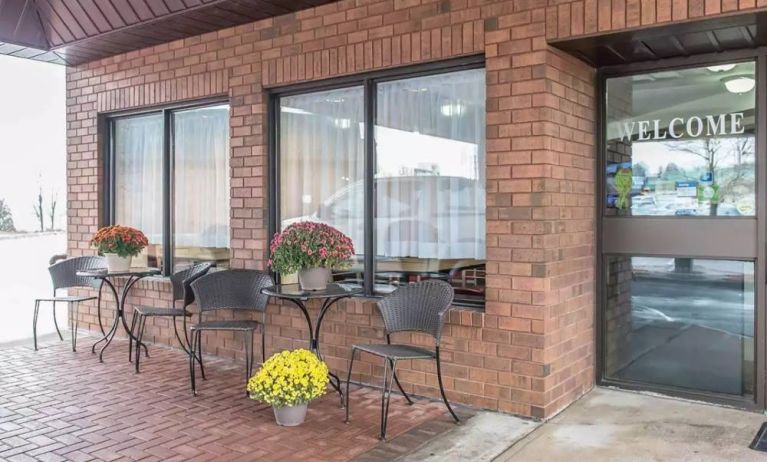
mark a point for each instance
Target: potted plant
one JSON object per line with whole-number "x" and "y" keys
{"x": 119, "y": 244}
{"x": 288, "y": 381}
{"x": 311, "y": 249}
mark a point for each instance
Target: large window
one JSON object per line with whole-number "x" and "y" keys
{"x": 175, "y": 190}
{"x": 682, "y": 142}
{"x": 422, "y": 177}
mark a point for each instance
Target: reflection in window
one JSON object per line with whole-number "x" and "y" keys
{"x": 682, "y": 142}
{"x": 430, "y": 181}
{"x": 429, "y": 176}
{"x": 322, "y": 158}
{"x": 138, "y": 178}
{"x": 201, "y": 182}
{"x": 680, "y": 322}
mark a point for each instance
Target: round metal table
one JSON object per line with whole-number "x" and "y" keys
{"x": 133, "y": 275}
{"x": 330, "y": 296}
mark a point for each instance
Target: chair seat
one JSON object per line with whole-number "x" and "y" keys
{"x": 152, "y": 311}
{"x": 396, "y": 351}
{"x": 227, "y": 325}
{"x": 67, "y": 299}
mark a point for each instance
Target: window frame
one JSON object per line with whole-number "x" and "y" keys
{"x": 369, "y": 82}
{"x": 107, "y": 126}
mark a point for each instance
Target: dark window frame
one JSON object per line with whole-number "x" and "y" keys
{"x": 369, "y": 82}
{"x": 758, "y": 401}
{"x": 106, "y": 124}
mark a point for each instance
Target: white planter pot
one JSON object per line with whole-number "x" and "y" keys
{"x": 290, "y": 416}
{"x": 314, "y": 278}
{"x": 116, "y": 263}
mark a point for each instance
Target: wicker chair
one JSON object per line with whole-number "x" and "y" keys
{"x": 230, "y": 290}
{"x": 182, "y": 291}
{"x": 418, "y": 307}
{"x": 64, "y": 276}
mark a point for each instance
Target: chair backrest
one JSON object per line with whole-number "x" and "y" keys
{"x": 182, "y": 281}
{"x": 417, "y": 307}
{"x": 64, "y": 273}
{"x": 232, "y": 289}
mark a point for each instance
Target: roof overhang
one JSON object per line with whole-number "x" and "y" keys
{"x": 77, "y": 31}
{"x": 740, "y": 31}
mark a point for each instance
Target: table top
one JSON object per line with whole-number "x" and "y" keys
{"x": 294, "y": 291}
{"x": 104, "y": 273}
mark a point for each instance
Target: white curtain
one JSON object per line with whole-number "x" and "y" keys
{"x": 430, "y": 167}
{"x": 322, "y": 160}
{"x": 201, "y": 183}
{"x": 138, "y": 174}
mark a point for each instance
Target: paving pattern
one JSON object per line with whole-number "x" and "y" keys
{"x": 56, "y": 405}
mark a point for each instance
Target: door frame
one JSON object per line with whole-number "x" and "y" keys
{"x": 759, "y": 57}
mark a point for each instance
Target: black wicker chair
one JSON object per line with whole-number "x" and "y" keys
{"x": 230, "y": 290}
{"x": 64, "y": 276}
{"x": 418, "y": 307}
{"x": 182, "y": 291}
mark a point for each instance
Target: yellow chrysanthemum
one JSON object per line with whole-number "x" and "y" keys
{"x": 289, "y": 378}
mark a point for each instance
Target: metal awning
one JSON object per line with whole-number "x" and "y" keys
{"x": 670, "y": 41}
{"x": 78, "y": 31}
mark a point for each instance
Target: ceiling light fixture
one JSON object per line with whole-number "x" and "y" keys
{"x": 739, "y": 83}
{"x": 342, "y": 123}
{"x": 721, "y": 68}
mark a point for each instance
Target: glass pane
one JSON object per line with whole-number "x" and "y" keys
{"x": 681, "y": 142}
{"x": 322, "y": 160}
{"x": 430, "y": 181}
{"x": 138, "y": 152}
{"x": 201, "y": 183}
{"x": 681, "y": 322}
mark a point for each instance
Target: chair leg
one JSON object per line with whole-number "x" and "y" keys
{"x": 133, "y": 334}
{"x": 263, "y": 343}
{"x": 388, "y": 400}
{"x": 199, "y": 353}
{"x": 56, "y": 323}
{"x": 192, "y": 360}
{"x": 74, "y": 308}
{"x": 141, "y": 322}
{"x": 348, "y": 380}
{"x": 140, "y": 344}
{"x": 382, "y": 436}
{"x": 442, "y": 389}
{"x": 34, "y": 322}
{"x": 248, "y": 344}
{"x": 399, "y": 385}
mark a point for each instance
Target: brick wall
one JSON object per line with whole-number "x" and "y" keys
{"x": 569, "y": 19}
{"x": 531, "y": 351}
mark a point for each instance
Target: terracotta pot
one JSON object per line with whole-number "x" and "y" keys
{"x": 116, "y": 263}
{"x": 314, "y": 278}
{"x": 290, "y": 416}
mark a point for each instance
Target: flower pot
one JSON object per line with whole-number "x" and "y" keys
{"x": 314, "y": 278}
{"x": 116, "y": 263}
{"x": 290, "y": 416}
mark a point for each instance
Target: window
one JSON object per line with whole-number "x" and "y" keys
{"x": 177, "y": 192}
{"x": 681, "y": 322}
{"x": 682, "y": 142}
{"x": 423, "y": 176}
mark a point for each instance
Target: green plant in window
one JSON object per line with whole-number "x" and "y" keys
{"x": 623, "y": 182}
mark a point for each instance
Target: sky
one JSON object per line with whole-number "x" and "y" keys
{"x": 32, "y": 138}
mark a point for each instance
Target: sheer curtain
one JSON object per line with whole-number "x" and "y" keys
{"x": 201, "y": 181}
{"x": 430, "y": 167}
{"x": 322, "y": 160}
{"x": 138, "y": 148}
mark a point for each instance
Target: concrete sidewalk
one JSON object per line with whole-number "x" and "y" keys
{"x": 610, "y": 425}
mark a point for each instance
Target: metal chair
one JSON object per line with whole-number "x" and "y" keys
{"x": 182, "y": 291}
{"x": 417, "y": 307}
{"x": 64, "y": 276}
{"x": 230, "y": 290}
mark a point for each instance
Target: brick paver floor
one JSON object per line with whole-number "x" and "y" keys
{"x": 58, "y": 405}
